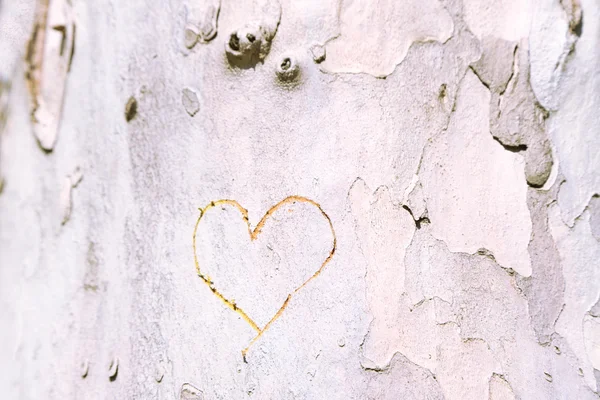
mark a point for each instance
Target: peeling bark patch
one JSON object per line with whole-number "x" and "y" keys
{"x": 375, "y": 36}
{"x": 503, "y": 19}
{"x": 489, "y": 330}
{"x": 591, "y": 336}
{"x": 49, "y": 56}
{"x": 517, "y": 121}
{"x": 579, "y": 253}
{"x": 544, "y": 290}
{"x": 495, "y": 67}
{"x": 189, "y": 98}
{"x": 574, "y": 130}
{"x": 485, "y": 185}
{"x": 383, "y": 231}
{"x": 131, "y": 109}
{"x": 113, "y": 369}
{"x": 260, "y": 306}
{"x": 551, "y": 41}
{"x": 202, "y": 22}
{"x": 208, "y": 28}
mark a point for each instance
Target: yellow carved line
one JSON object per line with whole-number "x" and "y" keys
{"x": 253, "y": 235}
{"x": 229, "y": 303}
{"x": 277, "y": 314}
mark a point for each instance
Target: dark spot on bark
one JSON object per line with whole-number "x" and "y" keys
{"x": 577, "y": 28}
{"x": 418, "y": 221}
{"x": 512, "y": 148}
{"x": 234, "y": 42}
{"x": 63, "y": 31}
{"x": 130, "y": 109}
{"x": 113, "y": 370}
{"x": 288, "y": 70}
{"x": 443, "y": 91}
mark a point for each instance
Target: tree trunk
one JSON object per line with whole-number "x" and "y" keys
{"x": 322, "y": 199}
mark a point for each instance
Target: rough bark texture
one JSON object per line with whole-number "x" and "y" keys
{"x": 320, "y": 199}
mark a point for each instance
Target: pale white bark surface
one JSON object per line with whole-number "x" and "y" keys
{"x": 319, "y": 199}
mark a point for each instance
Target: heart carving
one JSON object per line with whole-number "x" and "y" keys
{"x": 258, "y": 270}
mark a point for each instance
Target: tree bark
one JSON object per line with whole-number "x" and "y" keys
{"x": 322, "y": 199}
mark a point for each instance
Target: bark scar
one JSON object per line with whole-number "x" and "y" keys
{"x": 49, "y": 56}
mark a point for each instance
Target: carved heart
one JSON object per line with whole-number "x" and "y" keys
{"x": 258, "y": 270}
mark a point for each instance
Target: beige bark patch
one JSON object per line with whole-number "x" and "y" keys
{"x": 475, "y": 190}
{"x": 548, "y": 46}
{"x": 464, "y": 367}
{"x": 517, "y": 121}
{"x": 574, "y": 128}
{"x": 384, "y": 231}
{"x": 495, "y": 67}
{"x": 376, "y": 35}
{"x": 579, "y": 254}
{"x": 504, "y": 19}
